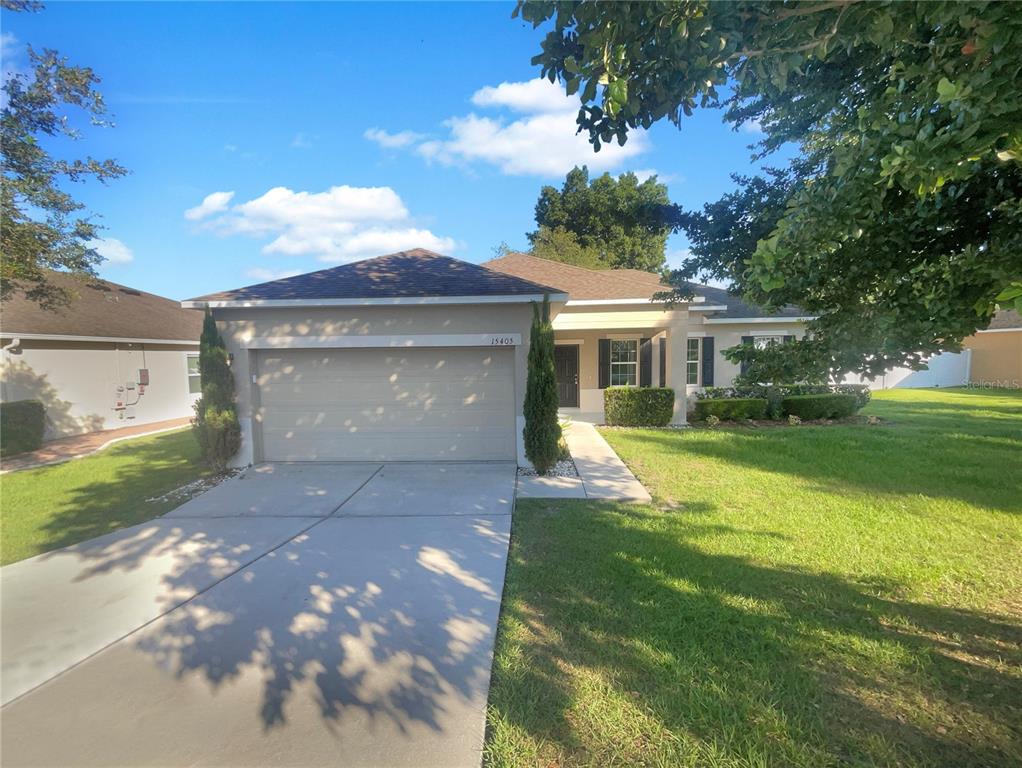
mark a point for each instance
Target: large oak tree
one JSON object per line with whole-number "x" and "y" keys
{"x": 898, "y": 222}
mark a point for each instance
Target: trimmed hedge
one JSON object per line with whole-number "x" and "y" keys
{"x": 831, "y": 406}
{"x": 860, "y": 391}
{"x": 638, "y": 406}
{"x": 732, "y": 408}
{"x": 22, "y": 424}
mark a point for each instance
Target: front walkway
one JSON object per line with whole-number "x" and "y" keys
{"x": 76, "y": 446}
{"x": 602, "y": 475}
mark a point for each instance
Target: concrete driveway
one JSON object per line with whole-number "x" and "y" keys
{"x": 297, "y": 615}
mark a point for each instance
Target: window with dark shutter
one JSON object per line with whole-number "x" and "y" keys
{"x": 745, "y": 365}
{"x": 663, "y": 361}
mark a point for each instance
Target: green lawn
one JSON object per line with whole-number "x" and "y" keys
{"x": 52, "y": 507}
{"x": 806, "y": 596}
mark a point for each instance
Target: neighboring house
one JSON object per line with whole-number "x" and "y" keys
{"x": 996, "y": 353}
{"x": 113, "y": 357}
{"x": 415, "y": 355}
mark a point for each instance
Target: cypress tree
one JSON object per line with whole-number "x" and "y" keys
{"x": 542, "y": 432}
{"x": 215, "y": 425}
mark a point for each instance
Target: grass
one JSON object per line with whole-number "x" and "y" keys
{"x": 56, "y": 506}
{"x": 797, "y": 596}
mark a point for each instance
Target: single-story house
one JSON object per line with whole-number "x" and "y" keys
{"x": 996, "y": 353}
{"x": 113, "y": 357}
{"x": 416, "y": 355}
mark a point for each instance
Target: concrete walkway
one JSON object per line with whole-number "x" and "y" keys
{"x": 67, "y": 448}
{"x": 302, "y": 615}
{"x": 602, "y": 475}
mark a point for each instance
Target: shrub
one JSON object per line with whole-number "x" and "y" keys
{"x": 730, "y": 409}
{"x": 861, "y": 391}
{"x": 638, "y": 407}
{"x": 215, "y": 425}
{"x": 22, "y": 424}
{"x": 794, "y": 420}
{"x": 712, "y": 422}
{"x": 542, "y": 433}
{"x": 832, "y": 406}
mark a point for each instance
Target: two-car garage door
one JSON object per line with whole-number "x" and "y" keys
{"x": 385, "y": 404}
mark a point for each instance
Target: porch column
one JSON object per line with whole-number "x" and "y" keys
{"x": 677, "y": 352}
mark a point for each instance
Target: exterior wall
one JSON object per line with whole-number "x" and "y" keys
{"x": 244, "y": 329}
{"x": 576, "y": 326}
{"x": 996, "y": 358}
{"x": 726, "y": 335}
{"x": 948, "y": 369}
{"x": 76, "y": 382}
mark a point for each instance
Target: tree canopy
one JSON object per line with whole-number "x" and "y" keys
{"x": 606, "y": 223}
{"x": 42, "y": 226}
{"x": 898, "y": 223}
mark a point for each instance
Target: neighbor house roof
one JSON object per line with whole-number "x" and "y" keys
{"x": 1006, "y": 320}
{"x": 584, "y": 284}
{"x": 414, "y": 274}
{"x": 100, "y": 309}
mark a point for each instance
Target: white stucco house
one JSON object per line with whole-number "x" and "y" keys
{"x": 418, "y": 356}
{"x": 113, "y": 357}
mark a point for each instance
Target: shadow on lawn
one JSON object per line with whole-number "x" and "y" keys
{"x": 765, "y": 665}
{"x": 119, "y": 500}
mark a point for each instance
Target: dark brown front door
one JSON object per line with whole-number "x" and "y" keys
{"x": 566, "y": 365}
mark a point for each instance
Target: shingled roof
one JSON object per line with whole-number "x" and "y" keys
{"x": 582, "y": 284}
{"x": 416, "y": 273}
{"x": 102, "y": 309}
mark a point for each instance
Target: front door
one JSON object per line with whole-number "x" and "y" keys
{"x": 566, "y": 365}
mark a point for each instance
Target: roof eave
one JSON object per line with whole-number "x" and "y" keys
{"x": 391, "y": 301}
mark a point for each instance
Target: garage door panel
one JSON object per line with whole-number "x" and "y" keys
{"x": 373, "y": 404}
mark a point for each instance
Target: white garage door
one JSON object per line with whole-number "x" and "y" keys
{"x": 449, "y": 403}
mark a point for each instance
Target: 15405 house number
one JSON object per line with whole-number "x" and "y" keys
{"x": 509, "y": 340}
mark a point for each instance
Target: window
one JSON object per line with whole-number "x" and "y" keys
{"x": 624, "y": 363}
{"x": 194, "y": 382}
{"x": 692, "y": 361}
{"x": 762, "y": 342}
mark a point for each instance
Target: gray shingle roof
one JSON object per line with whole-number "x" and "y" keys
{"x": 416, "y": 273}
{"x": 1006, "y": 319}
{"x": 102, "y": 308}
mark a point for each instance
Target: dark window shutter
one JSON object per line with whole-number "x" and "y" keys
{"x": 646, "y": 363}
{"x": 663, "y": 361}
{"x": 707, "y": 361}
{"x": 745, "y": 366}
{"x": 604, "y": 363}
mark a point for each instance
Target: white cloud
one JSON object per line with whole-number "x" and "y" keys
{"x": 393, "y": 140}
{"x": 544, "y": 141}
{"x": 230, "y": 147}
{"x": 752, "y": 126}
{"x": 113, "y": 250}
{"x": 677, "y": 258}
{"x": 264, "y": 275}
{"x": 531, "y": 96}
{"x": 339, "y": 225}
{"x": 301, "y": 141}
{"x": 211, "y": 203}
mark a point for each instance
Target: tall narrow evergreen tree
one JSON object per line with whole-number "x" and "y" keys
{"x": 215, "y": 425}
{"x": 542, "y": 432}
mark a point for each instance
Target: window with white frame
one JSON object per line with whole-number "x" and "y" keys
{"x": 194, "y": 381}
{"x": 692, "y": 361}
{"x": 762, "y": 342}
{"x": 624, "y": 363}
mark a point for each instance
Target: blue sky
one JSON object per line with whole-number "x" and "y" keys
{"x": 267, "y": 139}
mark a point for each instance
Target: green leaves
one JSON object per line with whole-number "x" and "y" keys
{"x": 899, "y": 220}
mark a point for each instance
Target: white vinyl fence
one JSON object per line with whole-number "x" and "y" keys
{"x": 948, "y": 369}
